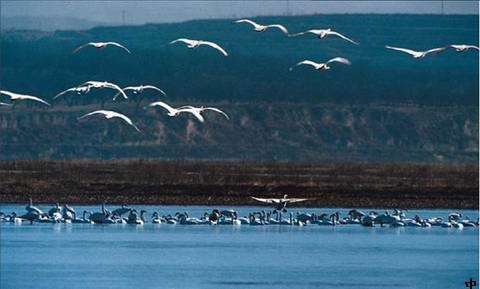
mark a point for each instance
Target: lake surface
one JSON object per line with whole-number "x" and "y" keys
{"x": 181, "y": 256}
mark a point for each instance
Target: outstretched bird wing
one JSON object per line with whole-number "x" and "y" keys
{"x": 267, "y": 201}
{"x": 340, "y": 60}
{"x": 306, "y": 62}
{"x": 65, "y": 91}
{"x": 5, "y": 104}
{"x": 155, "y": 88}
{"x": 313, "y": 31}
{"x": 90, "y": 82}
{"x": 214, "y": 45}
{"x": 281, "y": 27}
{"x": 164, "y": 105}
{"x": 116, "y": 87}
{"x": 17, "y": 96}
{"x": 341, "y": 36}
{"x": 118, "y": 45}
{"x": 111, "y": 114}
{"x": 125, "y": 118}
{"x": 104, "y": 112}
{"x": 295, "y": 200}
{"x": 195, "y": 113}
{"x": 409, "y": 51}
{"x": 184, "y": 40}
{"x": 217, "y": 110}
{"x": 34, "y": 98}
{"x": 186, "y": 106}
{"x": 83, "y": 46}
{"x": 463, "y": 47}
{"x": 256, "y": 25}
{"x": 435, "y": 50}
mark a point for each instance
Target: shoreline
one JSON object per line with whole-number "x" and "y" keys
{"x": 213, "y": 206}
{"x": 227, "y": 183}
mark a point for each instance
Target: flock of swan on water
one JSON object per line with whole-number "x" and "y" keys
{"x": 191, "y": 43}
{"x": 127, "y": 215}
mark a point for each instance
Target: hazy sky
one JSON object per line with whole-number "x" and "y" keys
{"x": 139, "y": 12}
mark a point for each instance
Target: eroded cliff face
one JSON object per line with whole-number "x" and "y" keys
{"x": 265, "y": 131}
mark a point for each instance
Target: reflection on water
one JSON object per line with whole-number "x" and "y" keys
{"x": 176, "y": 256}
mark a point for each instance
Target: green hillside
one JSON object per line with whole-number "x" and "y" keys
{"x": 386, "y": 106}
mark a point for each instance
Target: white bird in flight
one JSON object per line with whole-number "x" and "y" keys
{"x": 78, "y": 90}
{"x": 197, "y": 111}
{"x": 101, "y": 45}
{"x": 141, "y": 88}
{"x": 196, "y": 43}
{"x": 18, "y": 97}
{"x": 261, "y": 28}
{"x": 322, "y": 33}
{"x": 323, "y": 66}
{"x": 417, "y": 54}
{"x": 104, "y": 84}
{"x": 279, "y": 204}
{"x": 463, "y": 47}
{"x": 170, "y": 110}
{"x": 111, "y": 114}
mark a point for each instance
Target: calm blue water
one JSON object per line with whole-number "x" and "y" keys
{"x": 176, "y": 256}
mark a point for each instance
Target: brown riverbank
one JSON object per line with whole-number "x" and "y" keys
{"x": 232, "y": 183}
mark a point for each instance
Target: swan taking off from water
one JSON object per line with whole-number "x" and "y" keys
{"x": 196, "y": 111}
{"x": 322, "y": 66}
{"x": 322, "y": 33}
{"x": 104, "y": 84}
{"x": 417, "y": 54}
{"x": 196, "y": 43}
{"x": 18, "y": 97}
{"x": 101, "y": 45}
{"x": 262, "y": 28}
{"x": 463, "y": 47}
{"x": 111, "y": 114}
{"x": 280, "y": 204}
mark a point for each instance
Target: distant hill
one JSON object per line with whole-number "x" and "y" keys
{"x": 386, "y": 106}
{"x": 46, "y": 23}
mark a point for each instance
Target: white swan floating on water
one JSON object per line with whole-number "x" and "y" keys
{"x": 397, "y": 218}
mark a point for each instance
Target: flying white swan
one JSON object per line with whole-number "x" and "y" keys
{"x": 261, "y": 28}
{"x": 322, "y": 66}
{"x": 104, "y": 84}
{"x": 170, "y": 110}
{"x": 196, "y": 111}
{"x": 322, "y": 33}
{"x": 196, "y": 43}
{"x": 279, "y": 204}
{"x": 111, "y": 114}
{"x": 78, "y": 90}
{"x": 18, "y": 97}
{"x": 417, "y": 54}
{"x": 463, "y": 47}
{"x": 140, "y": 89}
{"x": 101, "y": 45}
